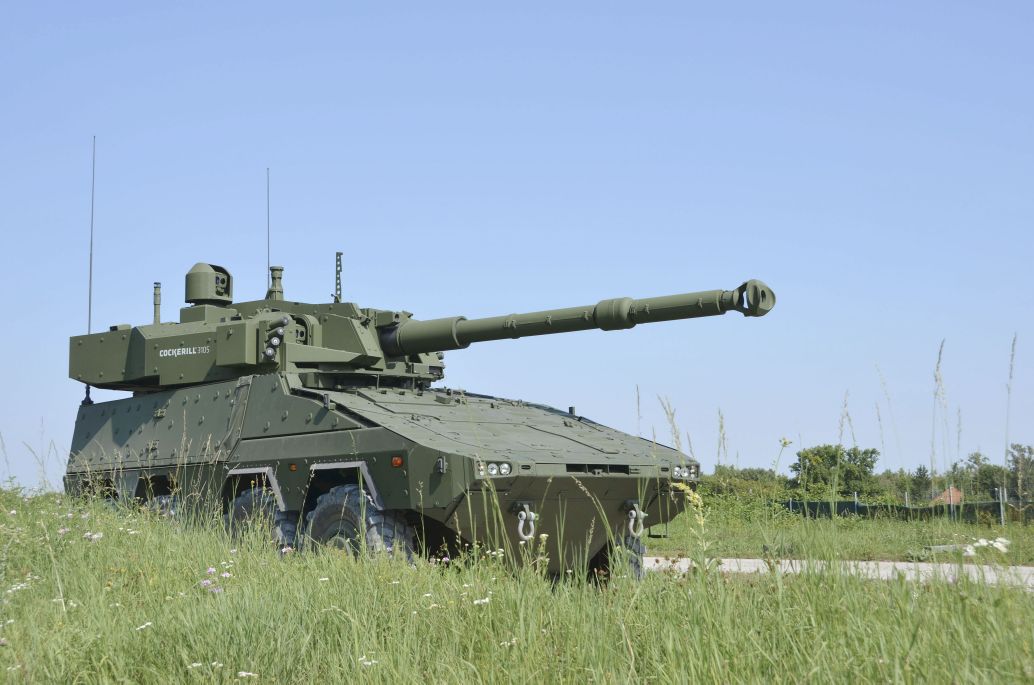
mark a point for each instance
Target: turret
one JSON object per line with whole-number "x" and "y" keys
{"x": 339, "y": 344}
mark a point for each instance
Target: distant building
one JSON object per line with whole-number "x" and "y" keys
{"x": 950, "y": 496}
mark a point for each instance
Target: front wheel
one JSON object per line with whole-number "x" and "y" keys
{"x": 624, "y": 557}
{"x": 345, "y": 519}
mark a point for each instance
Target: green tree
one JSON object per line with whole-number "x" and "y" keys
{"x": 847, "y": 470}
{"x": 978, "y": 478}
{"x": 987, "y": 479}
{"x": 1021, "y": 471}
{"x": 921, "y": 483}
{"x": 894, "y": 484}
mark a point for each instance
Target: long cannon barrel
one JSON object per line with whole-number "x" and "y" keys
{"x": 753, "y": 298}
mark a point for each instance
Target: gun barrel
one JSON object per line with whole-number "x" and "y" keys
{"x": 753, "y": 298}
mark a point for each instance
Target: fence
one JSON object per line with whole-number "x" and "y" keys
{"x": 1013, "y": 511}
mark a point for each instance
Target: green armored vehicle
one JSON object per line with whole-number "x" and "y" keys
{"x": 324, "y": 420}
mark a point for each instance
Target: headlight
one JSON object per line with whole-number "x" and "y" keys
{"x": 504, "y": 469}
{"x": 493, "y": 469}
{"x": 676, "y": 472}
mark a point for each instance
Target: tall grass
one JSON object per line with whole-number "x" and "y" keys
{"x": 91, "y": 594}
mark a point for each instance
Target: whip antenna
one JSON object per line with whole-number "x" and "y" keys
{"x": 268, "y": 282}
{"x": 89, "y": 286}
{"x": 89, "y": 283}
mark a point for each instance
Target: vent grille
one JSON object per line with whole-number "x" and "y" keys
{"x": 598, "y": 469}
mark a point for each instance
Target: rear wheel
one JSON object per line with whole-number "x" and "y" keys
{"x": 346, "y": 519}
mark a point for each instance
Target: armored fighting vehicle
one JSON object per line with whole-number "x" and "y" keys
{"x": 325, "y": 421}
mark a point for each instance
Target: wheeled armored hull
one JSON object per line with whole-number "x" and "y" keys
{"x": 324, "y": 417}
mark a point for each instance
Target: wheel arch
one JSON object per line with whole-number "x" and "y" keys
{"x": 245, "y": 478}
{"x": 323, "y": 476}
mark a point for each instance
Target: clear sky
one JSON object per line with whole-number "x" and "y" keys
{"x": 872, "y": 161}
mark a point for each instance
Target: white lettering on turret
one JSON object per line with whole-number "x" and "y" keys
{"x": 181, "y": 351}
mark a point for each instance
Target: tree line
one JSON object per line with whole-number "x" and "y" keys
{"x": 823, "y": 471}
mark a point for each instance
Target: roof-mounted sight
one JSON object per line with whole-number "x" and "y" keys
{"x": 276, "y": 283}
{"x": 209, "y": 284}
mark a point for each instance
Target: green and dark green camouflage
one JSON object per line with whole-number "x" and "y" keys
{"x": 325, "y": 417}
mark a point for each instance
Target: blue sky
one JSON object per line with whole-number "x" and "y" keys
{"x": 873, "y": 162}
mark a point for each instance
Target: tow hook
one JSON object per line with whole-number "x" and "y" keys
{"x": 635, "y": 519}
{"x": 526, "y": 522}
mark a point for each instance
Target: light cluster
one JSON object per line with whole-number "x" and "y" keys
{"x": 494, "y": 469}
{"x": 688, "y": 471}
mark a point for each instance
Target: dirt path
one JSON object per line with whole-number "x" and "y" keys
{"x": 1022, "y": 576}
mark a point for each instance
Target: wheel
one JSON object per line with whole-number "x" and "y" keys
{"x": 624, "y": 556}
{"x": 254, "y": 508}
{"x": 345, "y": 519}
{"x": 166, "y": 506}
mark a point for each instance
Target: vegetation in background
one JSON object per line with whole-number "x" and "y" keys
{"x": 823, "y": 472}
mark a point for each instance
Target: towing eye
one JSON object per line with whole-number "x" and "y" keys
{"x": 635, "y": 520}
{"x": 526, "y": 517}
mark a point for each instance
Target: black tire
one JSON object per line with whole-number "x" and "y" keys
{"x": 254, "y": 508}
{"x": 166, "y": 506}
{"x": 625, "y": 556}
{"x": 345, "y": 518}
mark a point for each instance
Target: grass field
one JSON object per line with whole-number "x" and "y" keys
{"x": 96, "y": 595}
{"x": 740, "y": 527}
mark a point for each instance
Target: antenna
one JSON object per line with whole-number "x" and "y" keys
{"x": 89, "y": 287}
{"x": 268, "y": 282}
{"x": 157, "y": 302}
{"x": 337, "y": 278}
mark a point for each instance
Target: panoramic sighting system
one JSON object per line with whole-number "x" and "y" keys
{"x": 324, "y": 420}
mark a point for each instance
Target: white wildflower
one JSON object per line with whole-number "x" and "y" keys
{"x": 246, "y": 674}
{"x": 483, "y": 600}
